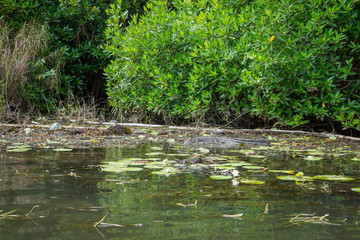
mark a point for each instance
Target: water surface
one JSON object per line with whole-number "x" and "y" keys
{"x": 70, "y": 192}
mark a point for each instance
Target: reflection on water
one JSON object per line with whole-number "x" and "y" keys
{"x": 73, "y": 195}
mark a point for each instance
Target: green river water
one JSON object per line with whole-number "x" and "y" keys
{"x": 113, "y": 193}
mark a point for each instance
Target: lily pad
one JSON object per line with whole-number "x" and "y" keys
{"x": 62, "y": 149}
{"x": 256, "y": 182}
{"x": 222, "y": 167}
{"x": 356, "y": 189}
{"x": 53, "y": 142}
{"x": 17, "y": 144}
{"x": 203, "y": 150}
{"x": 177, "y": 154}
{"x": 132, "y": 169}
{"x": 252, "y": 167}
{"x": 240, "y": 164}
{"x": 219, "y": 158}
{"x": 152, "y": 159}
{"x": 165, "y": 172}
{"x": 221, "y": 177}
{"x": 256, "y": 156}
{"x": 153, "y": 166}
{"x": 156, "y": 148}
{"x": 333, "y": 178}
{"x": 312, "y": 158}
{"x": 136, "y": 164}
{"x": 283, "y": 171}
{"x": 18, "y": 149}
{"x": 154, "y": 153}
{"x": 133, "y": 159}
{"x": 170, "y": 140}
{"x": 296, "y": 178}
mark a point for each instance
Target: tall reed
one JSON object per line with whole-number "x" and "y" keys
{"x": 17, "y": 50}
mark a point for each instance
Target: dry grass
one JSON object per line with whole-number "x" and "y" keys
{"x": 16, "y": 51}
{"x": 78, "y": 109}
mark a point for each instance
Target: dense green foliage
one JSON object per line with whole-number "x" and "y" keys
{"x": 28, "y": 71}
{"x": 75, "y": 30}
{"x": 293, "y": 62}
{"x": 290, "y": 61}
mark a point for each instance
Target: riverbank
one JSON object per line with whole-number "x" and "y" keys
{"x": 93, "y": 134}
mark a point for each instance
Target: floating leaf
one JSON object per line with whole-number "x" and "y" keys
{"x": 62, "y": 149}
{"x": 203, "y": 150}
{"x": 283, "y": 171}
{"x": 177, "y": 154}
{"x": 18, "y": 149}
{"x": 333, "y": 178}
{"x": 252, "y": 167}
{"x": 296, "y": 178}
{"x": 17, "y": 146}
{"x": 219, "y": 158}
{"x": 170, "y": 140}
{"x": 165, "y": 172}
{"x": 154, "y": 153}
{"x": 240, "y": 164}
{"x": 156, "y": 148}
{"x": 53, "y": 142}
{"x": 312, "y": 158}
{"x": 152, "y": 159}
{"x": 133, "y": 159}
{"x": 153, "y": 166}
{"x": 221, "y": 177}
{"x": 256, "y": 156}
{"x": 244, "y": 151}
{"x": 356, "y": 189}
{"x": 136, "y": 164}
{"x": 132, "y": 169}
{"x": 247, "y": 181}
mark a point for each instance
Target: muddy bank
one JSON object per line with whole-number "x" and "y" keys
{"x": 128, "y": 135}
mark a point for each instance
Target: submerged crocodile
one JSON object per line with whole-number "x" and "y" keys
{"x": 223, "y": 142}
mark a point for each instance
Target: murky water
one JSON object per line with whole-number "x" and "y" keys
{"x": 62, "y": 195}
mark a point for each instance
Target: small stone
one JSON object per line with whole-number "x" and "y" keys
{"x": 55, "y": 126}
{"x": 28, "y": 131}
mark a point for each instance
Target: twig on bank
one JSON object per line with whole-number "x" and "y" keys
{"x": 97, "y": 125}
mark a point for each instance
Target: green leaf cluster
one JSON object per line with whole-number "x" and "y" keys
{"x": 290, "y": 61}
{"x": 75, "y": 34}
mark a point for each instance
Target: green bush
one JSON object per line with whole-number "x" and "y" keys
{"x": 76, "y": 31}
{"x": 29, "y": 72}
{"x": 290, "y": 61}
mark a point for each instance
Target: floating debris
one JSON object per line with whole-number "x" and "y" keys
{"x": 311, "y": 218}
{"x": 237, "y": 216}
